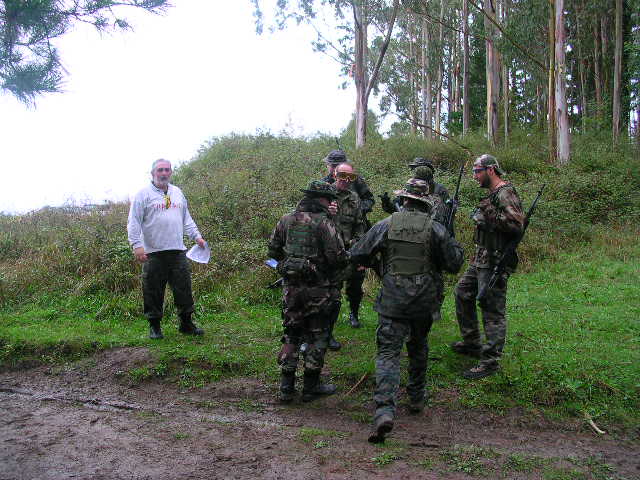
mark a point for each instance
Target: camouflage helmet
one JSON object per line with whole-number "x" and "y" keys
{"x": 487, "y": 160}
{"x": 422, "y": 162}
{"x": 335, "y": 157}
{"x": 416, "y": 189}
{"x": 318, "y": 188}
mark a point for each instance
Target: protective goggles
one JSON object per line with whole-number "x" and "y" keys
{"x": 349, "y": 177}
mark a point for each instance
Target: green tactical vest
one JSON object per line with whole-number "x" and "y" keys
{"x": 347, "y": 213}
{"x": 408, "y": 244}
{"x": 302, "y": 239}
{"x": 489, "y": 238}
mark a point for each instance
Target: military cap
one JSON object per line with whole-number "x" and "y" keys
{"x": 487, "y": 160}
{"x": 336, "y": 157}
{"x": 422, "y": 162}
{"x": 318, "y": 188}
{"x": 416, "y": 189}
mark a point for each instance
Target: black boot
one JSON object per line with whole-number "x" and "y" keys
{"x": 313, "y": 388}
{"x": 155, "y": 332}
{"x": 287, "y": 386}
{"x": 188, "y": 327}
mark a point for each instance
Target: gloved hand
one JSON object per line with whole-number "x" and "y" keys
{"x": 386, "y": 203}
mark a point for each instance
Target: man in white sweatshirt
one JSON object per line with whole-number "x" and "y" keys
{"x": 158, "y": 220}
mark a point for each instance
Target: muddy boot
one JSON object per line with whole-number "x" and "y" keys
{"x": 188, "y": 327}
{"x": 381, "y": 427}
{"x": 287, "y": 386}
{"x": 313, "y": 388}
{"x": 483, "y": 369}
{"x": 155, "y": 332}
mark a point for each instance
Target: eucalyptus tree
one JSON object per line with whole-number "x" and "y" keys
{"x": 346, "y": 38}
{"x": 30, "y": 64}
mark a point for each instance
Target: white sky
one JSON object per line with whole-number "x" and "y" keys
{"x": 161, "y": 91}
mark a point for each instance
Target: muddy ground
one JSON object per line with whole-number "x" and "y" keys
{"x": 90, "y": 420}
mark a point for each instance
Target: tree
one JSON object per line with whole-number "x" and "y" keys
{"x": 29, "y": 62}
{"x": 352, "y": 48}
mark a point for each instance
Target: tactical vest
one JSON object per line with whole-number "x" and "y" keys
{"x": 302, "y": 239}
{"x": 487, "y": 236}
{"x": 408, "y": 244}
{"x": 347, "y": 214}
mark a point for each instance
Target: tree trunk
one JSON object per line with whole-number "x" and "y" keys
{"x": 364, "y": 84}
{"x": 492, "y": 73}
{"x": 617, "y": 72}
{"x": 505, "y": 82}
{"x": 412, "y": 79}
{"x": 551, "y": 96}
{"x": 561, "y": 86}
{"x": 426, "y": 82}
{"x": 466, "y": 111}
{"x": 360, "y": 74}
{"x": 597, "y": 78}
{"x": 440, "y": 78}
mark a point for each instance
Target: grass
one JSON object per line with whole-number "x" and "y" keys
{"x": 573, "y": 345}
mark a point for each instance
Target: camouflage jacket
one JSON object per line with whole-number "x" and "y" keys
{"x": 498, "y": 218}
{"x": 332, "y": 256}
{"x": 362, "y": 189}
{"x": 409, "y": 296}
{"x": 349, "y": 220}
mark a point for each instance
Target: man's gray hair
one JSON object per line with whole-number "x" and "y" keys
{"x": 154, "y": 164}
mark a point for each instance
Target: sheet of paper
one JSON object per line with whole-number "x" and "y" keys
{"x": 199, "y": 254}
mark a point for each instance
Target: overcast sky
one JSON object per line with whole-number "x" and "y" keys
{"x": 161, "y": 91}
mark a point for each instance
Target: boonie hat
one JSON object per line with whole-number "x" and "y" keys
{"x": 416, "y": 189}
{"x": 487, "y": 160}
{"x": 318, "y": 188}
{"x": 335, "y": 157}
{"x": 422, "y": 162}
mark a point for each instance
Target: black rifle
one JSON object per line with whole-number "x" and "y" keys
{"x": 453, "y": 203}
{"x": 509, "y": 250}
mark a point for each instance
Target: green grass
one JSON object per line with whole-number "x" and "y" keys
{"x": 573, "y": 345}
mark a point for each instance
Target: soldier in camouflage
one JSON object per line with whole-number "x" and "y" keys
{"x": 351, "y": 225}
{"x": 421, "y": 169}
{"x": 310, "y": 256}
{"x": 498, "y": 218}
{"x": 359, "y": 186}
{"x": 414, "y": 248}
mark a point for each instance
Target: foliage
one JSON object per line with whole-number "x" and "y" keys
{"x": 29, "y": 62}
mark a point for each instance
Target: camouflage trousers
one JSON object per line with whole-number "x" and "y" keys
{"x": 169, "y": 266}
{"x": 493, "y": 307}
{"x": 391, "y": 336}
{"x": 307, "y": 312}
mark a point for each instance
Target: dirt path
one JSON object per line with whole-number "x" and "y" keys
{"x": 88, "y": 421}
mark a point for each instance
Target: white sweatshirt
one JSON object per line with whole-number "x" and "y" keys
{"x": 156, "y": 223}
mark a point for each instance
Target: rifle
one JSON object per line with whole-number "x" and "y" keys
{"x": 273, "y": 263}
{"x": 453, "y": 203}
{"x": 509, "y": 250}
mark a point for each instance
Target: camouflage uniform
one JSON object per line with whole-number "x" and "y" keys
{"x": 310, "y": 254}
{"x": 355, "y": 280}
{"x": 498, "y": 218}
{"x": 351, "y": 225}
{"x": 414, "y": 249}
